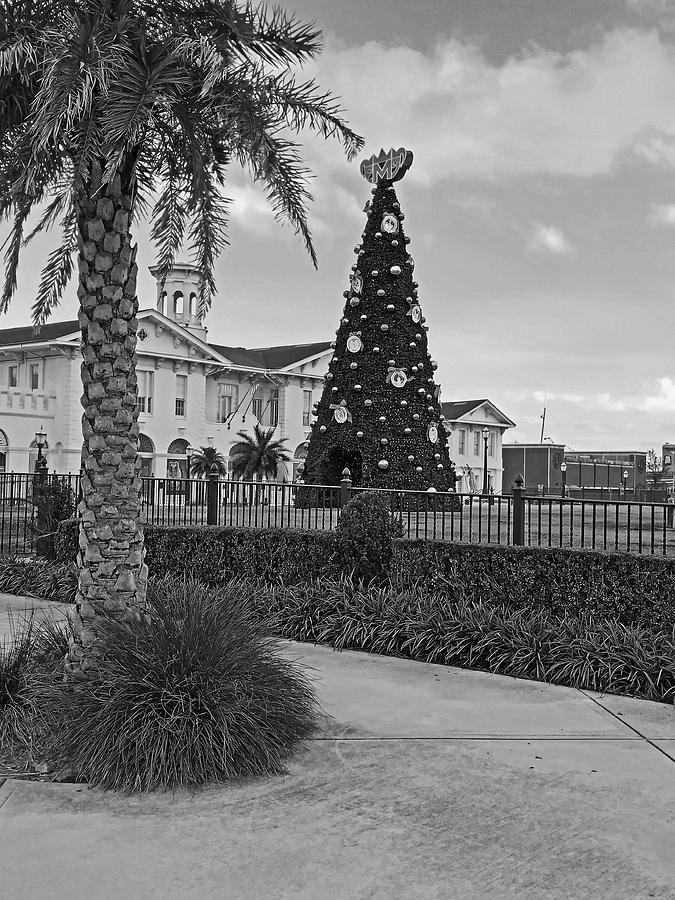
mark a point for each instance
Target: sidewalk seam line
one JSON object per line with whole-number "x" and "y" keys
{"x": 632, "y": 727}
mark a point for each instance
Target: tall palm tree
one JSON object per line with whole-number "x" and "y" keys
{"x": 207, "y": 460}
{"x": 259, "y": 456}
{"x": 110, "y": 109}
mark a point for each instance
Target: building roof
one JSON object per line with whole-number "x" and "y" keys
{"x": 26, "y": 334}
{"x": 455, "y": 409}
{"x": 271, "y": 357}
{"x": 259, "y": 358}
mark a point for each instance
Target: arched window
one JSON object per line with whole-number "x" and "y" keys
{"x": 179, "y": 446}
{"x": 299, "y": 457}
{"x": 161, "y": 303}
{"x": 176, "y": 464}
{"x": 146, "y": 451}
{"x": 193, "y": 305}
{"x": 178, "y": 299}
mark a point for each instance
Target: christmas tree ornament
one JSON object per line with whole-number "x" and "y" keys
{"x": 407, "y": 431}
{"x": 394, "y": 243}
{"x": 345, "y": 294}
{"x": 332, "y": 344}
{"x": 412, "y": 345}
{"x": 354, "y": 343}
{"x": 404, "y": 402}
{"x": 375, "y": 273}
{"x": 329, "y": 376}
{"x": 367, "y": 402}
{"x": 357, "y": 247}
{"x": 395, "y": 270}
{"x": 414, "y": 369}
{"x": 434, "y": 364}
{"x": 384, "y": 440}
{"x": 383, "y": 464}
{"x": 440, "y": 466}
{"x": 384, "y": 327}
{"x": 419, "y": 470}
{"x": 418, "y": 337}
{"x": 340, "y": 412}
{"x": 391, "y": 362}
{"x": 437, "y": 455}
{"x": 378, "y": 234}
{"x": 431, "y": 490}
{"x": 334, "y": 390}
{"x": 411, "y": 458}
{"x": 363, "y": 318}
{"x": 398, "y": 378}
{"x": 376, "y": 349}
{"x": 382, "y": 419}
{"x": 389, "y": 223}
{"x": 432, "y": 433}
{"x": 359, "y": 434}
{"x": 322, "y": 429}
{"x": 380, "y": 292}
{"x": 353, "y": 365}
{"x": 354, "y": 301}
{"x": 345, "y": 321}
{"x": 416, "y": 417}
{"x": 357, "y": 387}
{"x": 407, "y": 239}
{"x": 390, "y": 307}
{"x": 357, "y": 284}
{"x": 421, "y": 391}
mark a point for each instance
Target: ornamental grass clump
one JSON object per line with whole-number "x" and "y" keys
{"x": 196, "y": 693}
{"x": 17, "y": 709}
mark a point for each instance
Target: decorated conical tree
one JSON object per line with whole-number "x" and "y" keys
{"x": 379, "y": 414}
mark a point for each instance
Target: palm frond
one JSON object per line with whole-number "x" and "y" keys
{"x": 58, "y": 271}
{"x": 168, "y": 219}
{"x": 23, "y": 206}
{"x": 57, "y": 207}
{"x": 208, "y": 235}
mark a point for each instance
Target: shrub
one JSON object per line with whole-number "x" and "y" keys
{"x": 365, "y": 533}
{"x": 16, "y": 706}
{"x": 469, "y": 632}
{"x": 55, "y": 502}
{"x": 196, "y": 694}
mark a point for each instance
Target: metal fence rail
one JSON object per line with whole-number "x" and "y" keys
{"x": 570, "y": 522}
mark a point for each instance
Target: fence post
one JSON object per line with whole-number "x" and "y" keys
{"x": 518, "y": 536}
{"x": 345, "y": 487}
{"x": 212, "y": 499}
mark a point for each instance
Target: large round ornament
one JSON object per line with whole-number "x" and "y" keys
{"x": 354, "y": 343}
{"x": 340, "y": 415}
{"x": 395, "y": 270}
{"x": 398, "y": 378}
{"x": 383, "y": 464}
{"x": 432, "y": 433}
{"x": 389, "y": 224}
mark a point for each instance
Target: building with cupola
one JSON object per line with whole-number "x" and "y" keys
{"x": 191, "y": 392}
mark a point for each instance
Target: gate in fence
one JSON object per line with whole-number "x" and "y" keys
{"x": 543, "y": 521}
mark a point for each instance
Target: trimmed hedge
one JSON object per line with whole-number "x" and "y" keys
{"x": 635, "y": 590}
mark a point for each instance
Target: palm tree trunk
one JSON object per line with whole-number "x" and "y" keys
{"x": 112, "y": 572}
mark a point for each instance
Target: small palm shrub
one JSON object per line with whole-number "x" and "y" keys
{"x": 365, "y": 533}
{"x": 197, "y": 693}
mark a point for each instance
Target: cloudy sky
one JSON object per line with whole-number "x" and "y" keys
{"x": 540, "y": 206}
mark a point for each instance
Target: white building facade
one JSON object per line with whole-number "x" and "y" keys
{"x": 191, "y": 392}
{"x": 464, "y": 424}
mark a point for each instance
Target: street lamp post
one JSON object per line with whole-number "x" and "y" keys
{"x": 625, "y": 482}
{"x": 40, "y": 442}
{"x": 189, "y": 451}
{"x": 563, "y": 472}
{"x": 486, "y": 435}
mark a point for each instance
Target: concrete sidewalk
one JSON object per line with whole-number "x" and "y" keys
{"x": 426, "y": 782}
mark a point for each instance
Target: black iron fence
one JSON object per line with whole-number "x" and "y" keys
{"x": 544, "y": 521}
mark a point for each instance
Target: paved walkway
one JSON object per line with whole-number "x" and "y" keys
{"x": 15, "y": 608}
{"x": 426, "y": 782}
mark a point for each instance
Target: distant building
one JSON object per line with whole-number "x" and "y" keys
{"x": 190, "y": 391}
{"x": 606, "y": 468}
{"x": 539, "y": 464}
{"x": 464, "y": 423}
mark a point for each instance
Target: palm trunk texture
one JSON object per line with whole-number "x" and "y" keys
{"x": 112, "y": 572}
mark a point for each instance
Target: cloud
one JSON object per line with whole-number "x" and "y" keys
{"x": 657, "y": 7}
{"x": 549, "y": 238}
{"x": 663, "y": 214}
{"x": 581, "y": 113}
{"x": 665, "y": 399}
